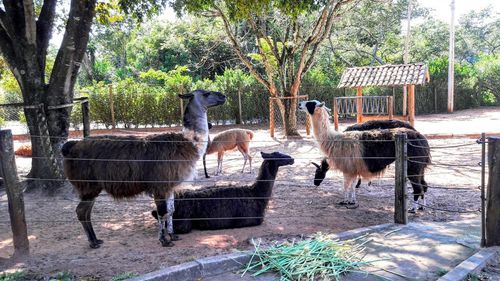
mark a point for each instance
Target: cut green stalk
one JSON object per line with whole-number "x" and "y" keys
{"x": 311, "y": 259}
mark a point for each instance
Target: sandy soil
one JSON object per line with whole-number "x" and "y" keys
{"x": 58, "y": 243}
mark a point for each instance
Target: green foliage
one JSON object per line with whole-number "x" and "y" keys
{"x": 135, "y": 104}
{"x": 61, "y": 276}
{"x": 488, "y": 72}
{"x": 240, "y": 9}
{"x": 123, "y": 276}
{"x": 15, "y": 276}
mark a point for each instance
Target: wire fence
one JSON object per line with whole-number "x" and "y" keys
{"x": 453, "y": 173}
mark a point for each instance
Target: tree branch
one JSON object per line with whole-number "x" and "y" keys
{"x": 239, "y": 52}
{"x": 15, "y": 15}
{"x": 266, "y": 61}
{"x": 29, "y": 21}
{"x": 44, "y": 27}
{"x": 6, "y": 24}
{"x": 6, "y": 48}
{"x": 71, "y": 52}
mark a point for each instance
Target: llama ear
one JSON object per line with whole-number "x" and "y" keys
{"x": 186, "y": 96}
{"x": 317, "y": 166}
{"x": 264, "y": 155}
{"x": 323, "y": 105}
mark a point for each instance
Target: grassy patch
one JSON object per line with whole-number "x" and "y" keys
{"x": 15, "y": 276}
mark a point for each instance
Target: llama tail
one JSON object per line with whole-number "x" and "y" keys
{"x": 66, "y": 148}
{"x": 250, "y": 134}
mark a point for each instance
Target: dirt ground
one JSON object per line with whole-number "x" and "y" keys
{"x": 490, "y": 273}
{"x": 58, "y": 243}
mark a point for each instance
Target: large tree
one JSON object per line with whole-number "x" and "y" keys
{"x": 285, "y": 34}
{"x": 26, "y": 27}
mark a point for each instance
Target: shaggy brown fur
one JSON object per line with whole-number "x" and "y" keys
{"x": 230, "y": 140}
{"x": 366, "y": 154}
{"x": 126, "y": 166}
{"x": 177, "y": 151}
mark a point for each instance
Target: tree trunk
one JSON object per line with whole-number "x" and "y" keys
{"x": 291, "y": 117}
{"x": 288, "y": 112}
{"x": 23, "y": 43}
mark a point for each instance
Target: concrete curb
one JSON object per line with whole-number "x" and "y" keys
{"x": 206, "y": 267}
{"x": 471, "y": 265}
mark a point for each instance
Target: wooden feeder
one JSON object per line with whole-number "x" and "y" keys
{"x": 406, "y": 75}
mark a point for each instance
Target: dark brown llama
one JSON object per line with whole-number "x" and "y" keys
{"x": 126, "y": 166}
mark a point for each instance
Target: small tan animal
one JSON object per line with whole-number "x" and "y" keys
{"x": 230, "y": 140}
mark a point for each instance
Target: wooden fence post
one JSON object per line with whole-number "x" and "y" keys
{"x": 271, "y": 117}
{"x": 335, "y": 115}
{"x": 359, "y": 105}
{"x": 390, "y": 107}
{"x": 112, "y": 106}
{"x": 400, "y": 200}
{"x": 14, "y": 195}
{"x": 493, "y": 193}
{"x": 86, "y": 118}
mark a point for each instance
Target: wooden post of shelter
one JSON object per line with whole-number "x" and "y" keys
{"x": 111, "y": 106}
{"x": 400, "y": 202}
{"x": 335, "y": 115}
{"x": 493, "y": 193}
{"x": 405, "y": 100}
{"x": 405, "y": 75}
{"x": 14, "y": 194}
{"x": 359, "y": 105}
{"x": 411, "y": 104}
{"x": 86, "y": 118}
{"x": 271, "y": 117}
{"x": 390, "y": 108}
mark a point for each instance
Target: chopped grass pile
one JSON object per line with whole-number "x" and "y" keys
{"x": 318, "y": 258}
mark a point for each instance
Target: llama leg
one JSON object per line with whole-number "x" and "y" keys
{"x": 250, "y": 162}
{"x": 83, "y": 212}
{"x": 416, "y": 195}
{"x": 424, "y": 190}
{"x": 220, "y": 155}
{"x": 162, "y": 216}
{"x": 170, "y": 218}
{"x": 347, "y": 189}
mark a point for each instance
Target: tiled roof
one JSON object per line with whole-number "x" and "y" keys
{"x": 385, "y": 75}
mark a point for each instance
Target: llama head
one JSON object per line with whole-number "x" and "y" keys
{"x": 320, "y": 173}
{"x": 311, "y": 106}
{"x": 280, "y": 159}
{"x": 203, "y": 99}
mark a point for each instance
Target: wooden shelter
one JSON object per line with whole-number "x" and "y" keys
{"x": 406, "y": 75}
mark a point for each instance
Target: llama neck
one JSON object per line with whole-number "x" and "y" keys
{"x": 195, "y": 126}
{"x": 265, "y": 180}
{"x": 321, "y": 127}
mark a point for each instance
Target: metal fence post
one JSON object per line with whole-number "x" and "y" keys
{"x": 483, "y": 189}
{"x": 493, "y": 193}
{"x": 14, "y": 194}
{"x": 400, "y": 200}
{"x": 86, "y": 118}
